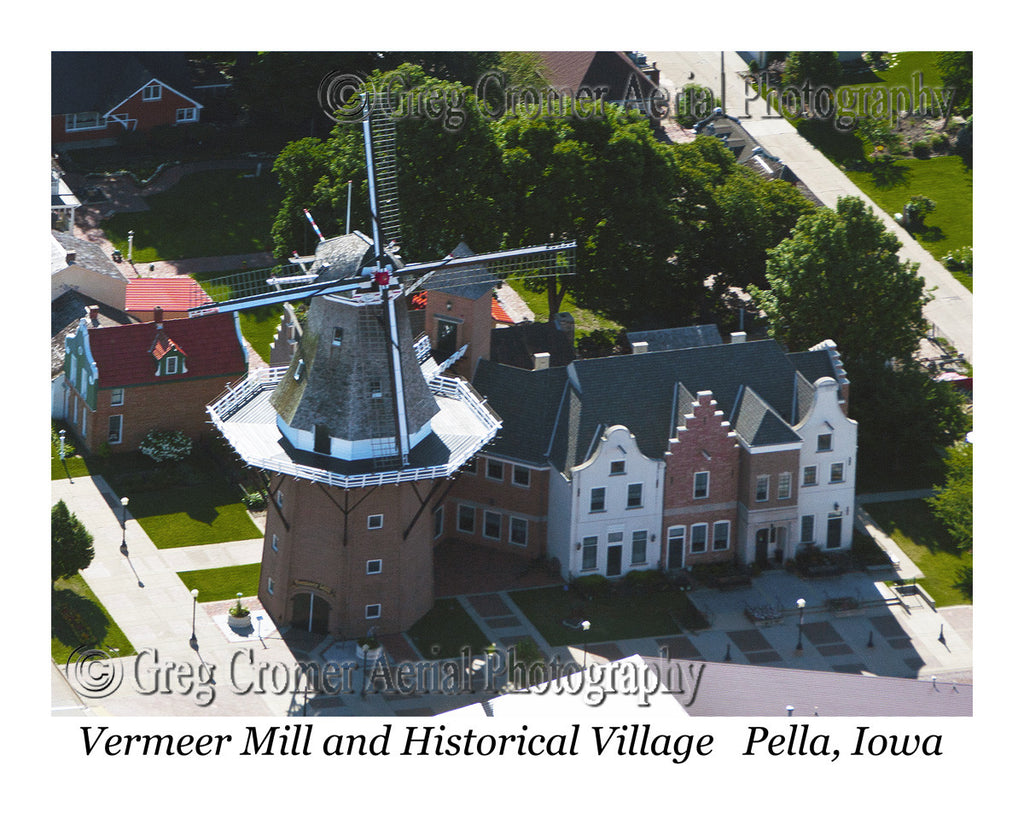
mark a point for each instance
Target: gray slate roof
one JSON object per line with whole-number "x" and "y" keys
{"x": 333, "y": 390}
{"x": 527, "y": 401}
{"x": 756, "y": 384}
{"x": 470, "y": 283}
{"x": 99, "y": 80}
{"x": 677, "y": 338}
{"x": 87, "y": 254}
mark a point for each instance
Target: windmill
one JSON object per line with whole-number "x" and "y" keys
{"x": 363, "y": 415}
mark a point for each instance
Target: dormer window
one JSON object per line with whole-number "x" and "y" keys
{"x": 171, "y": 365}
{"x": 152, "y": 92}
{"x": 170, "y": 358}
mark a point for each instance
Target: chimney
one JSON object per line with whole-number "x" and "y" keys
{"x": 737, "y": 338}
{"x": 639, "y": 347}
{"x": 69, "y": 257}
{"x": 541, "y": 361}
{"x": 94, "y": 314}
{"x": 158, "y": 316}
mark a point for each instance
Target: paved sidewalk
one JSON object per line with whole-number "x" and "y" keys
{"x": 144, "y": 596}
{"x": 952, "y": 309}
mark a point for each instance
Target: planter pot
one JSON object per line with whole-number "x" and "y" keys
{"x": 240, "y": 623}
{"x": 371, "y": 655}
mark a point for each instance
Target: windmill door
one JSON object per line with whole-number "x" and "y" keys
{"x": 309, "y": 612}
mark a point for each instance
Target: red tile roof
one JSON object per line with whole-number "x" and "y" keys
{"x": 125, "y": 355}
{"x": 174, "y": 295}
{"x": 498, "y": 312}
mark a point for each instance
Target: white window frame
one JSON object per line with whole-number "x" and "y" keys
{"x": 375, "y": 521}
{"x": 171, "y": 365}
{"x": 499, "y": 468}
{"x": 604, "y": 499}
{"x": 707, "y": 485}
{"x": 810, "y": 477}
{"x": 111, "y": 438}
{"x": 117, "y": 397}
{"x": 640, "y": 503}
{"x": 617, "y": 468}
{"x": 273, "y": 542}
{"x": 458, "y": 519}
{"x": 676, "y": 533}
{"x": 513, "y": 522}
{"x": 764, "y": 482}
{"x": 694, "y": 540}
{"x": 372, "y": 611}
{"x": 804, "y": 521}
{"x": 589, "y": 545}
{"x": 634, "y": 541}
{"x": 379, "y": 567}
{"x": 148, "y": 94}
{"x": 785, "y": 485}
{"x": 438, "y": 522}
{"x": 94, "y": 121}
{"x": 832, "y": 472}
{"x": 828, "y": 441}
{"x": 517, "y": 473}
{"x": 186, "y": 115}
{"x": 489, "y": 517}
{"x": 714, "y": 539}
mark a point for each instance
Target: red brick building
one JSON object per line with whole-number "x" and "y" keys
{"x": 126, "y": 380}
{"x": 97, "y": 97}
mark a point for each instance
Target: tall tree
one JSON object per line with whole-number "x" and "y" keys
{"x": 839, "y": 276}
{"x": 956, "y": 68}
{"x": 819, "y": 68}
{"x": 953, "y": 502}
{"x": 70, "y": 544}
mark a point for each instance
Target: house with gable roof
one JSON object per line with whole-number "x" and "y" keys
{"x": 97, "y": 96}
{"x": 720, "y": 452}
{"x": 123, "y": 381}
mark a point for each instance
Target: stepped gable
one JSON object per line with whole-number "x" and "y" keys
{"x": 470, "y": 283}
{"x": 752, "y": 383}
{"x": 346, "y": 388}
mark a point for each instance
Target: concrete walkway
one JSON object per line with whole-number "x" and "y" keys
{"x": 952, "y": 308}
{"x": 259, "y": 674}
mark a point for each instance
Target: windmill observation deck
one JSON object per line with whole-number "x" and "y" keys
{"x": 245, "y": 417}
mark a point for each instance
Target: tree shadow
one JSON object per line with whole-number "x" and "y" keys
{"x": 965, "y": 582}
{"x": 75, "y": 620}
{"x": 930, "y": 233}
{"x": 888, "y": 174}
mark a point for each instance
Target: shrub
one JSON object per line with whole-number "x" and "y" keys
{"x": 166, "y": 445}
{"x": 961, "y": 259}
{"x": 69, "y": 446}
{"x": 255, "y": 501}
{"x": 922, "y": 149}
{"x": 592, "y": 586}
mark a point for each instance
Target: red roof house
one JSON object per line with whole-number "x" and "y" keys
{"x": 124, "y": 381}
{"x": 175, "y": 296}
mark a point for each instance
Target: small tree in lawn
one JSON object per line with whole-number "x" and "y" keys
{"x": 70, "y": 543}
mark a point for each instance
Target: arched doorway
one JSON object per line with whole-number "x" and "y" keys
{"x": 310, "y": 612}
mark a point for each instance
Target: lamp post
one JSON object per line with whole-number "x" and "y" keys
{"x": 195, "y": 598}
{"x": 131, "y": 240}
{"x": 62, "y": 434}
{"x": 585, "y": 625}
{"x": 800, "y": 626}
{"x": 124, "y": 521}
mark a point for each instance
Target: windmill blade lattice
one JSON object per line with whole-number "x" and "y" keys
{"x": 540, "y": 261}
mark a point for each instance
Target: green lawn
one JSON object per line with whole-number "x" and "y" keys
{"x": 948, "y": 182}
{"x": 446, "y": 630}
{"x": 192, "y": 515}
{"x": 917, "y": 532}
{"x": 224, "y": 583}
{"x": 615, "y": 617}
{"x": 586, "y": 320}
{"x": 77, "y": 618}
{"x": 213, "y": 213}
